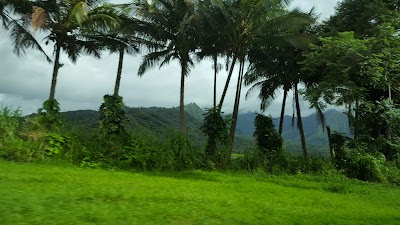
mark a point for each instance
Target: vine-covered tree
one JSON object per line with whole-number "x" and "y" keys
{"x": 268, "y": 140}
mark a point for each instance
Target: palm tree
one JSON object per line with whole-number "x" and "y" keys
{"x": 22, "y": 38}
{"x": 248, "y": 23}
{"x": 65, "y": 21}
{"x": 270, "y": 69}
{"x": 277, "y": 67}
{"x": 300, "y": 122}
{"x": 212, "y": 42}
{"x": 173, "y": 24}
{"x": 122, "y": 40}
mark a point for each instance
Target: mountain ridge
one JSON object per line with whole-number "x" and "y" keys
{"x": 160, "y": 120}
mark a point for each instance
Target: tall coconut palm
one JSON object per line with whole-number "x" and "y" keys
{"x": 20, "y": 35}
{"x": 122, "y": 39}
{"x": 212, "y": 42}
{"x": 174, "y": 23}
{"x": 277, "y": 67}
{"x": 65, "y": 21}
{"x": 273, "y": 68}
{"x": 248, "y": 23}
{"x": 270, "y": 69}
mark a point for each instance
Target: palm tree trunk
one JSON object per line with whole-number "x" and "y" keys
{"x": 331, "y": 151}
{"x": 356, "y": 121}
{"x": 300, "y": 123}
{"x": 55, "y": 72}
{"x": 215, "y": 80}
{"x": 119, "y": 71}
{"x": 282, "y": 111}
{"x": 182, "y": 95}
{"x": 236, "y": 106}
{"x": 221, "y": 102}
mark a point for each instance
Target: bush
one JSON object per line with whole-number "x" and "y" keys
{"x": 50, "y": 115}
{"x": 216, "y": 129}
{"x": 112, "y": 117}
{"x": 283, "y": 163}
{"x": 141, "y": 154}
{"x": 12, "y": 146}
{"x": 366, "y": 167}
{"x": 268, "y": 140}
{"x": 179, "y": 153}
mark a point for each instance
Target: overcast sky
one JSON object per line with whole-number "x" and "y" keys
{"x": 25, "y": 82}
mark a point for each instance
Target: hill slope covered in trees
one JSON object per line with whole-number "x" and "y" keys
{"x": 159, "y": 121}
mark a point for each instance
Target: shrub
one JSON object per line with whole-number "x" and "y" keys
{"x": 12, "y": 146}
{"x": 141, "y": 154}
{"x": 268, "y": 140}
{"x": 50, "y": 115}
{"x": 366, "y": 167}
{"x": 112, "y": 116}
{"x": 216, "y": 129}
{"x": 179, "y": 153}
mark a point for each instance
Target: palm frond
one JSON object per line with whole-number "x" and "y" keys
{"x": 75, "y": 47}
{"x": 39, "y": 17}
{"x": 78, "y": 13}
{"x": 24, "y": 40}
{"x": 151, "y": 60}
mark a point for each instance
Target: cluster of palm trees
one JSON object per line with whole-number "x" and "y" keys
{"x": 263, "y": 34}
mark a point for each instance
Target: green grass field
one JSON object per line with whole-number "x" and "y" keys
{"x": 51, "y": 194}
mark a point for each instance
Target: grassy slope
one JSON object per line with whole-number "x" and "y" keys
{"x": 45, "y": 194}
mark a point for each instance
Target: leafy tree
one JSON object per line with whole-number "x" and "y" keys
{"x": 350, "y": 71}
{"x": 363, "y": 17}
{"x": 173, "y": 23}
{"x": 360, "y": 75}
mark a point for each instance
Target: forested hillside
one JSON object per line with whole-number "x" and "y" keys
{"x": 159, "y": 121}
{"x": 316, "y": 136}
{"x": 156, "y": 121}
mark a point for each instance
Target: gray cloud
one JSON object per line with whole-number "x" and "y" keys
{"x": 25, "y": 82}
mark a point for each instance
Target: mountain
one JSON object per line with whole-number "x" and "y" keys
{"x": 159, "y": 121}
{"x": 156, "y": 121}
{"x": 195, "y": 111}
{"x": 316, "y": 137}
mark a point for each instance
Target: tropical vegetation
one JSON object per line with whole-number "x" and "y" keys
{"x": 350, "y": 60}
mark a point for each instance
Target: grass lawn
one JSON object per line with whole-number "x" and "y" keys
{"x": 51, "y": 194}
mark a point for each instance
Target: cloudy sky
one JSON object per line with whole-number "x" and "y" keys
{"x": 25, "y": 81}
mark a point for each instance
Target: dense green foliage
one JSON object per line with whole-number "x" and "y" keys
{"x": 356, "y": 65}
{"x": 352, "y": 65}
{"x": 112, "y": 116}
{"x": 216, "y": 130}
{"x": 28, "y": 140}
{"x": 50, "y": 114}
{"x": 268, "y": 140}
